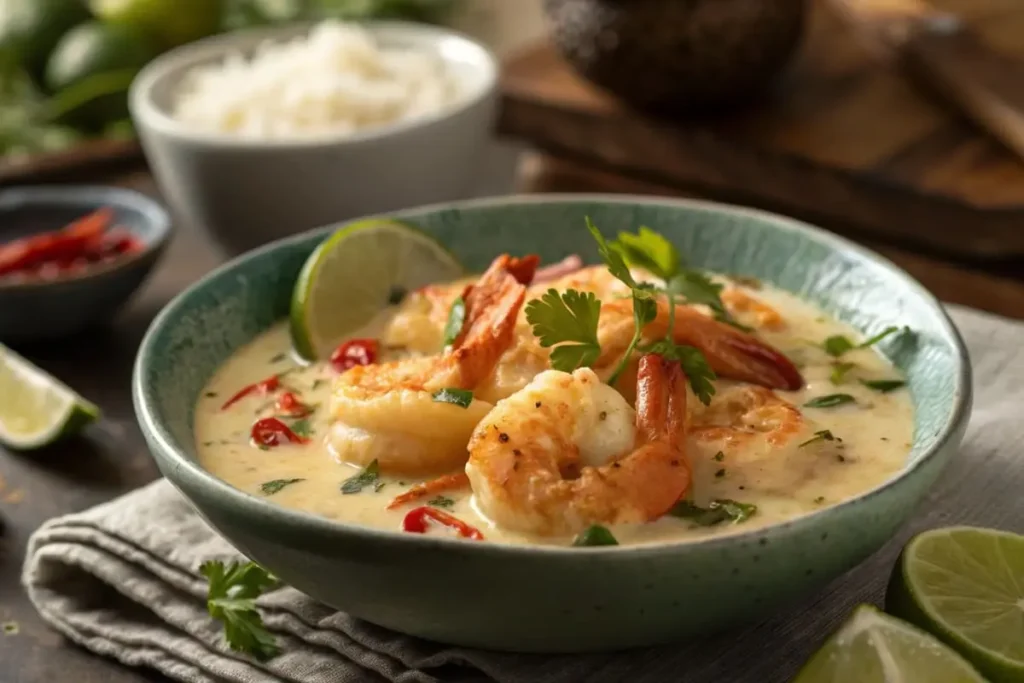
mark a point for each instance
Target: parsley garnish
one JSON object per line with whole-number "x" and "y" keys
{"x": 455, "y": 396}
{"x": 570, "y": 321}
{"x": 271, "y": 487}
{"x": 716, "y": 512}
{"x": 651, "y": 251}
{"x": 593, "y": 536}
{"x": 823, "y": 435}
{"x": 837, "y": 345}
{"x": 830, "y": 401}
{"x": 279, "y": 357}
{"x": 370, "y": 475}
{"x": 231, "y": 599}
{"x": 839, "y": 371}
{"x": 456, "y": 318}
{"x": 302, "y": 428}
{"x": 883, "y": 385}
{"x": 441, "y": 502}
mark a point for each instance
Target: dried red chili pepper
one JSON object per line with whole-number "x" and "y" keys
{"x": 416, "y": 522}
{"x": 288, "y": 404}
{"x": 355, "y": 352}
{"x": 270, "y": 432}
{"x": 263, "y": 388}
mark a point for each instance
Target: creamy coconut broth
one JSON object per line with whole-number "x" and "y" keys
{"x": 870, "y": 438}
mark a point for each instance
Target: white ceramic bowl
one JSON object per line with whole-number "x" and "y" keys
{"x": 247, "y": 192}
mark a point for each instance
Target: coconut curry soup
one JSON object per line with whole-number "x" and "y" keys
{"x": 634, "y": 402}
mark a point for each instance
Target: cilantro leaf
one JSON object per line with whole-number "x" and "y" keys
{"x": 823, "y": 435}
{"x": 569, "y": 319}
{"x": 595, "y": 535}
{"x": 369, "y": 476}
{"x": 271, "y": 487}
{"x": 830, "y": 401}
{"x": 882, "y": 335}
{"x": 651, "y": 251}
{"x": 839, "y": 371}
{"x": 644, "y": 312}
{"x": 716, "y": 512}
{"x": 231, "y": 599}
{"x": 694, "y": 364}
{"x": 883, "y": 386}
{"x": 441, "y": 502}
{"x": 612, "y": 257}
{"x": 837, "y": 345}
{"x": 302, "y": 428}
{"x": 456, "y": 319}
{"x": 457, "y": 397}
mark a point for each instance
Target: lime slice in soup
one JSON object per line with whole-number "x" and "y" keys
{"x": 966, "y": 585}
{"x": 872, "y": 647}
{"x": 35, "y": 408}
{"x": 355, "y": 274}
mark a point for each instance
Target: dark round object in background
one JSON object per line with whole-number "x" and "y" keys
{"x": 678, "y": 55}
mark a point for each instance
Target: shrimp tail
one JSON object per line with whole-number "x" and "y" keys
{"x": 492, "y": 306}
{"x": 731, "y": 352}
{"x": 449, "y": 482}
{"x": 661, "y": 400}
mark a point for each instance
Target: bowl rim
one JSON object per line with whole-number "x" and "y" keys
{"x": 147, "y": 114}
{"x": 296, "y": 524}
{"x": 95, "y": 196}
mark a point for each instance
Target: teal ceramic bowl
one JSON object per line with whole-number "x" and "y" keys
{"x": 533, "y": 599}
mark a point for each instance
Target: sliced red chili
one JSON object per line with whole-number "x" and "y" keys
{"x": 270, "y": 432}
{"x": 416, "y": 521}
{"x": 263, "y": 388}
{"x": 289, "y": 404}
{"x": 355, "y": 352}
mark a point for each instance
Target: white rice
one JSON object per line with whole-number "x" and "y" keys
{"x": 336, "y": 80}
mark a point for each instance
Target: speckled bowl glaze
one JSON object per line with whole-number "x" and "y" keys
{"x": 32, "y": 311}
{"x": 533, "y": 599}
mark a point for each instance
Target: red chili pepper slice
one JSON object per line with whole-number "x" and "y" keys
{"x": 416, "y": 522}
{"x": 265, "y": 387}
{"x": 271, "y": 432}
{"x": 355, "y": 352}
{"x": 289, "y": 404}
{"x": 50, "y": 253}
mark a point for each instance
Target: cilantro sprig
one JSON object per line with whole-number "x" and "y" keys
{"x": 649, "y": 250}
{"x": 567, "y": 321}
{"x": 231, "y": 599}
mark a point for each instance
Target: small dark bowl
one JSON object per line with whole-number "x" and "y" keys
{"x": 50, "y": 309}
{"x": 678, "y": 56}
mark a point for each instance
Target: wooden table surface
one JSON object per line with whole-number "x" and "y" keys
{"x": 114, "y": 459}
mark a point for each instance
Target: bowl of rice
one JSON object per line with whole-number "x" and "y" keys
{"x": 258, "y": 134}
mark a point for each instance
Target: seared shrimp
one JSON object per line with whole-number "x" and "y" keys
{"x": 388, "y": 413}
{"x": 563, "y": 453}
{"x": 740, "y": 415}
{"x": 764, "y": 316}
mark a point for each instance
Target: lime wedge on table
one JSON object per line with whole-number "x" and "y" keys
{"x": 966, "y": 586}
{"x": 355, "y": 274}
{"x": 35, "y": 408}
{"x": 873, "y": 647}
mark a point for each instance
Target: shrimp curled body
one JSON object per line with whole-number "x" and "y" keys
{"x": 564, "y": 453}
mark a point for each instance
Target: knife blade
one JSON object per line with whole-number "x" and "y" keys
{"x": 938, "y": 49}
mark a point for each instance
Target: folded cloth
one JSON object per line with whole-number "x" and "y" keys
{"x": 121, "y": 579}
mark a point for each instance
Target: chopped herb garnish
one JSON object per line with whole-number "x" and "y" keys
{"x": 207, "y": 443}
{"x": 457, "y": 397}
{"x": 456, "y": 319}
{"x": 882, "y": 335}
{"x": 231, "y": 599}
{"x": 594, "y": 536}
{"x": 11, "y": 628}
{"x": 651, "y": 251}
{"x": 839, "y": 371}
{"x": 302, "y": 428}
{"x": 569, "y": 320}
{"x": 211, "y": 394}
{"x": 823, "y": 435}
{"x": 716, "y": 512}
{"x": 271, "y": 487}
{"x": 369, "y": 476}
{"x": 819, "y": 500}
{"x": 720, "y": 473}
{"x": 378, "y": 486}
{"x": 279, "y": 357}
{"x": 883, "y": 385}
{"x": 830, "y": 401}
{"x": 719, "y": 456}
{"x": 838, "y": 344}
{"x": 441, "y": 502}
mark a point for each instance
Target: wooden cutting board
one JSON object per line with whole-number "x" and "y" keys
{"x": 845, "y": 140}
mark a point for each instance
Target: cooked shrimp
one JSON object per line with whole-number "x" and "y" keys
{"x": 742, "y": 414}
{"x": 563, "y": 453}
{"x": 387, "y": 412}
{"x": 764, "y": 316}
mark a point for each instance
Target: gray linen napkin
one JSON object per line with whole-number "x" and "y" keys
{"x": 120, "y": 579}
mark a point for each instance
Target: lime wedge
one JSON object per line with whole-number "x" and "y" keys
{"x": 872, "y": 647}
{"x": 356, "y": 273}
{"x": 35, "y": 408}
{"x": 966, "y": 586}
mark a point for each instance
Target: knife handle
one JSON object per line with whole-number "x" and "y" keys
{"x": 937, "y": 49}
